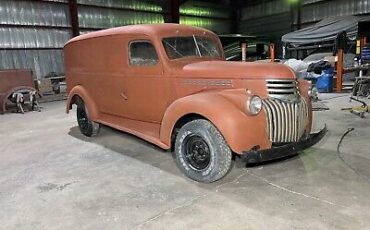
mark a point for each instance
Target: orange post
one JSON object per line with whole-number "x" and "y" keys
{"x": 339, "y": 71}
{"x": 363, "y": 42}
{"x": 244, "y": 51}
{"x": 272, "y": 52}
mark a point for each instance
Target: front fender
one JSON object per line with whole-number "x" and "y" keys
{"x": 304, "y": 86}
{"x": 84, "y": 95}
{"x": 241, "y": 131}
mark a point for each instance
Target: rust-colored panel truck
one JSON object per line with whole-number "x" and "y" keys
{"x": 170, "y": 85}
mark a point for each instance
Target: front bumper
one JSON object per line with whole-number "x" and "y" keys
{"x": 257, "y": 156}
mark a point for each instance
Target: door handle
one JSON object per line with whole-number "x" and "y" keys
{"x": 124, "y": 96}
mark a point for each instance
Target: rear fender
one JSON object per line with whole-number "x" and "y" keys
{"x": 81, "y": 92}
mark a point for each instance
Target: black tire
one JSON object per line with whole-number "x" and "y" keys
{"x": 201, "y": 152}
{"x": 87, "y": 127}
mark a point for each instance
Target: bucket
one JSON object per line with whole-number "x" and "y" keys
{"x": 324, "y": 83}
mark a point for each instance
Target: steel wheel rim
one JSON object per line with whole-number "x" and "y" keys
{"x": 197, "y": 152}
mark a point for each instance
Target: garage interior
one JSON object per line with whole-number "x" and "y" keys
{"x": 54, "y": 177}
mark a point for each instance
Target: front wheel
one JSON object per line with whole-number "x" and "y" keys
{"x": 201, "y": 151}
{"x": 87, "y": 127}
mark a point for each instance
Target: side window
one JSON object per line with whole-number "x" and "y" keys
{"x": 142, "y": 53}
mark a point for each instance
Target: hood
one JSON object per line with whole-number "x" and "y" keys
{"x": 233, "y": 69}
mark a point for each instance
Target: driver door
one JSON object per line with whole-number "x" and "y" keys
{"x": 146, "y": 88}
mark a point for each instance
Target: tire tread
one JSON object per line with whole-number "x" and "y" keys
{"x": 224, "y": 160}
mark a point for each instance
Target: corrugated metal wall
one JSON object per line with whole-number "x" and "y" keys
{"x": 32, "y": 33}
{"x": 269, "y": 19}
{"x": 213, "y": 16}
{"x": 99, "y": 14}
{"x": 315, "y": 10}
{"x": 273, "y": 18}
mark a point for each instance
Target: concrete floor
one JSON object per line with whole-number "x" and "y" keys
{"x": 52, "y": 177}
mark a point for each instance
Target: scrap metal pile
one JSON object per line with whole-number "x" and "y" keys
{"x": 17, "y": 91}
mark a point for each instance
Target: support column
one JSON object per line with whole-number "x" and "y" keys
{"x": 299, "y": 16}
{"x": 363, "y": 42}
{"x": 244, "y": 46}
{"x": 175, "y": 11}
{"x": 272, "y": 52}
{"x": 295, "y": 15}
{"x": 235, "y": 13}
{"x": 73, "y": 14}
{"x": 339, "y": 82}
{"x": 172, "y": 9}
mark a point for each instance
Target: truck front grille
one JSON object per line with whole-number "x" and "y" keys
{"x": 282, "y": 88}
{"x": 286, "y": 120}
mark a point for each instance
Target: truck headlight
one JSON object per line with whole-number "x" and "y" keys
{"x": 254, "y": 105}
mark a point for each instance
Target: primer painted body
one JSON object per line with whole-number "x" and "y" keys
{"x": 148, "y": 101}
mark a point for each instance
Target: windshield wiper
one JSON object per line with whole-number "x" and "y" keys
{"x": 196, "y": 44}
{"x": 174, "y": 49}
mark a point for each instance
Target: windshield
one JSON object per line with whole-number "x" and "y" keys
{"x": 191, "y": 46}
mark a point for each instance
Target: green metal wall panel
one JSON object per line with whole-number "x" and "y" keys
{"x": 212, "y": 16}
{"x": 100, "y": 18}
{"x": 215, "y": 25}
{"x": 142, "y": 5}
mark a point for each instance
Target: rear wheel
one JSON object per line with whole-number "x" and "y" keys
{"x": 87, "y": 127}
{"x": 201, "y": 151}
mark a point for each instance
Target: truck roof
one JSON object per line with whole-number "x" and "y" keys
{"x": 147, "y": 29}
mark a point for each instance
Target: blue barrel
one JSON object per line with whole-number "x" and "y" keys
{"x": 365, "y": 54}
{"x": 324, "y": 83}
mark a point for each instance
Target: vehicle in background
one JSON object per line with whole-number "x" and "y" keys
{"x": 257, "y": 48}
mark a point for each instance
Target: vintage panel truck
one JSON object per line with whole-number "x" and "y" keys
{"x": 170, "y": 85}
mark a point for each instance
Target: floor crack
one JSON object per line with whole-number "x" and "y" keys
{"x": 233, "y": 181}
{"x": 294, "y": 192}
{"x": 186, "y": 204}
{"x": 163, "y": 213}
{"x": 216, "y": 189}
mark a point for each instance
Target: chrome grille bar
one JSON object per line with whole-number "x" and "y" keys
{"x": 285, "y": 91}
{"x": 276, "y": 84}
{"x": 286, "y": 120}
{"x": 282, "y": 87}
